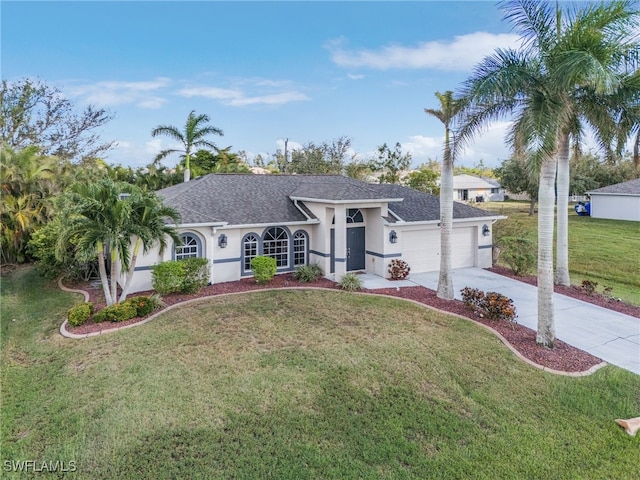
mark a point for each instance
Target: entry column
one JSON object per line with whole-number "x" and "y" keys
{"x": 340, "y": 232}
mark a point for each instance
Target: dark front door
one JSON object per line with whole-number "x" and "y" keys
{"x": 355, "y": 249}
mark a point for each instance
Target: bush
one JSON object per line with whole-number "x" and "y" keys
{"x": 142, "y": 304}
{"x": 589, "y": 287}
{"x": 519, "y": 253}
{"x": 399, "y": 269}
{"x": 308, "y": 273}
{"x": 264, "y": 268}
{"x": 119, "y": 312}
{"x": 472, "y": 298}
{"x": 79, "y": 314}
{"x": 167, "y": 277}
{"x": 196, "y": 274}
{"x": 492, "y": 305}
{"x": 350, "y": 282}
{"x": 184, "y": 276}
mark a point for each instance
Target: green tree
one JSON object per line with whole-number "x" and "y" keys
{"x": 516, "y": 177}
{"x": 193, "y": 136}
{"x": 449, "y": 109}
{"x": 324, "y": 158}
{"x": 36, "y": 114}
{"x": 391, "y": 163}
{"x": 104, "y": 217}
{"x": 27, "y": 182}
{"x": 424, "y": 179}
{"x": 543, "y": 84}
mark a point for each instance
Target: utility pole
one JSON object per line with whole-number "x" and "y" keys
{"x": 286, "y": 142}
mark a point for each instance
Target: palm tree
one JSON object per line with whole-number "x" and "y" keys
{"x": 149, "y": 228}
{"x": 192, "y": 137}
{"x": 542, "y": 84}
{"x": 449, "y": 108}
{"x": 27, "y": 181}
{"x": 104, "y": 217}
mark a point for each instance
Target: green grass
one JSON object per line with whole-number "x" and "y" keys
{"x": 603, "y": 251}
{"x": 298, "y": 384}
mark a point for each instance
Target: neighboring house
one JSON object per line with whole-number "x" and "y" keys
{"x": 617, "y": 202}
{"x": 469, "y": 188}
{"x": 342, "y": 224}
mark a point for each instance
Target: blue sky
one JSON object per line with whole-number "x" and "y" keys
{"x": 263, "y": 71}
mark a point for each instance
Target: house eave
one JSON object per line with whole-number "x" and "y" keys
{"x": 346, "y": 202}
{"x": 269, "y": 224}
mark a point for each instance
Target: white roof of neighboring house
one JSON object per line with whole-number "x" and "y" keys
{"x": 465, "y": 181}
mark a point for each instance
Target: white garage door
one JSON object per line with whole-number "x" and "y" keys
{"x": 421, "y": 249}
{"x": 463, "y": 247}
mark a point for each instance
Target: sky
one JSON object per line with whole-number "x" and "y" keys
{"x": 264, "y": 72}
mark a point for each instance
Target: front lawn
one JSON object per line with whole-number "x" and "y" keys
{"x": 298, "y": 384}
{"x": 600, "y": 250}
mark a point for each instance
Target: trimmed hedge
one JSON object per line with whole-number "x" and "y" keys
{"x": 180, "y": 276}
{"x": 79, "y": 314}
{"x": 264, "y": 268}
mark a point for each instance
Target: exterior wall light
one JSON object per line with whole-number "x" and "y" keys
{"x": 222, "y": 241}
{"x": 485, "y": 230}
{"x": 393, "y": 236}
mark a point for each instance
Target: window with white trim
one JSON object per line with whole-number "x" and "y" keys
{"x": 190, "y": 247}
{"x": 299, "y": 249}
{"x": 276, "y": 244}
{"x": 250, "y": 246}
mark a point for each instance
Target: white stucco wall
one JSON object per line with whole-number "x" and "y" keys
{"x": 616, "y": 207}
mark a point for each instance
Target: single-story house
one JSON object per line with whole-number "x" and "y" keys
{"x": 342, "y": 224}
{"x": 617, "y": 202}
{"x": 469, "y": 188}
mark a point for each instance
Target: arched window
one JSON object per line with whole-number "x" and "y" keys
{"x": 354, "y": 215}
{"x": 191, "y": 247}
{"x": 250, "y": 249}
{"x": 299, "y": 248}
{"x": 275, "y": 243}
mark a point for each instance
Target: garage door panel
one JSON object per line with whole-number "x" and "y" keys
{"x": 421, "y": 249}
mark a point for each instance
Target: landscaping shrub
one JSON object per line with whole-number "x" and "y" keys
{"x": 472, "y": 298}
{"x": 519, "y": 253}
{"x": 264, "y": 268}
{"x": 167, "y": 277}
{"x": 196, "y": 274}
{"x": 79, "y": 314}
{"x": 399, "y": 269}
{"x": 119, "y": 312}
{"x": 143, "y": 305}
{"x": 589, "y": 287}
{"x": 184, "y": 276}
{"x": 308, "y": 273}
{"x": 492, "y": 305}
{"x": 350, "y": 282}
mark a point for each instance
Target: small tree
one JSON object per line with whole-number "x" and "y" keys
{"x": 391, "y": 163}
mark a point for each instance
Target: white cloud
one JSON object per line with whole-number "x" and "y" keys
{"x": 353, "y": 76}
{"x": 239, "y": 97}
{"x": 460, "y": 54}
{"x": 110, "y": 93}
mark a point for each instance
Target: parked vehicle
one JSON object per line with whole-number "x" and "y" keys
{"x": 583, "y": 209}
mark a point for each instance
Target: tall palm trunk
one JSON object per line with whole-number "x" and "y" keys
{"x": 562, "y": 235}
{"x": 445, "y": 279}
{"x": 114, "y": 276}
{"x": 104, "y": 280}
{"x": 131, "y": 271}
{"x": 546, "y": 195}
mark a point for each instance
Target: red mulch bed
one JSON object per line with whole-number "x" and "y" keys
{"x": 563, "y": 357}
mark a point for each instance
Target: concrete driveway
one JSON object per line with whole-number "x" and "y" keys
{"x": 611, "y": 336}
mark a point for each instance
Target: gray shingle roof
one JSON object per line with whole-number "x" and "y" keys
{"x": 632, "y": 187}
{"x": 244, "y": 199}
{"x": 418, "y": 206}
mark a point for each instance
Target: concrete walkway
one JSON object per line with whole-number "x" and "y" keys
{"x": 609, "y": 335}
